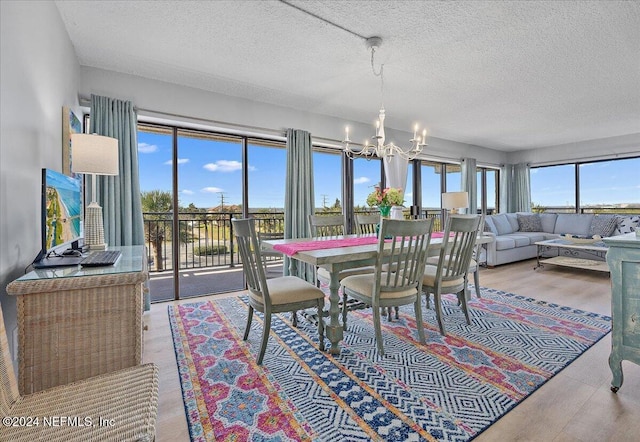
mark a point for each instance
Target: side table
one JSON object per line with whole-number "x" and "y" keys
{"x": 74, "y": 323}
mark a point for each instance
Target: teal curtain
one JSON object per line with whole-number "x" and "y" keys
{"x": 299, "y": 197}
{"x": 119, "y": 195}
{"x": 469, "y": 177}
{"x": 522, "y": 187}
{"x": 506, "y": 181}
{"x": 515, "y": 188}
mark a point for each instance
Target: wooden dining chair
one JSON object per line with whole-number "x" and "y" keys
{"x": 270, "y": 255}
{"x": 276, "y": 295}
{"x": 406, "y": 253}
{"x": 367, "y": 223}
{"x": 449, "y": 275}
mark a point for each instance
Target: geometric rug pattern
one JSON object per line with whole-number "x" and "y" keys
{"x": 451, "y": 389}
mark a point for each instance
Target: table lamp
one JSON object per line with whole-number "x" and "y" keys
{"x": 95, "y": 155}
{"x": 454, "y": 201}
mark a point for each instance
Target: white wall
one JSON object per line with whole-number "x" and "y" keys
{"x": 40, "y": 74}
{"x": 213, "y": 110}
{"x": 605, "y": 148}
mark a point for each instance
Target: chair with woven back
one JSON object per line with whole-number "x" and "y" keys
{"x": 128, "y": 398}
{"x": 449, "y": 274}
{"x": 405, "y": 251}
{"x": 275, "y": 295}
{"x": 367, "y": 223}
{"x": 333, "y": 225}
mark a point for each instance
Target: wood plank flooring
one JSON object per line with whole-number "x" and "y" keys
{"x": 575, "y": 405}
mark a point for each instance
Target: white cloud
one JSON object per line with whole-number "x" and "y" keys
{"x": 187, "y": 192}
{"x": 147, "y": 148}
{"x": 212, "y": 190}
{"x": 361, "y": 180}
{"x": 180, "y": 161}
{"x": 224, "y": 166}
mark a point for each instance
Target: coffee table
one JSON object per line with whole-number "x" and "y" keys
{"x": 578, "y": 255}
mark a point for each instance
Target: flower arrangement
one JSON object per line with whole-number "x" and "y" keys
{"x": 385, "y": 197}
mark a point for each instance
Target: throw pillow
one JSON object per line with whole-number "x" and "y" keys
{"x": 530, "y": 223}
{"x": 502, "y": 224}
{"x": 603, "y": 225}
{"x": 626, "y": 224}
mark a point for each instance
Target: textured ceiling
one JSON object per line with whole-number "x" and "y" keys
{"x": 504, "y": 75}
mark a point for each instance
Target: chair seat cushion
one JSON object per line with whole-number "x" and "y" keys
{"x": 288, "y": 289}
{"x": 363, "y": 284}
{"x": 429, "y": 278}
{"x": 128, "y": 398}
{"x": 324, "y": 275}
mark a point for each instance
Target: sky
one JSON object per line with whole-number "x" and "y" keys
{"x": 210, "y": 173}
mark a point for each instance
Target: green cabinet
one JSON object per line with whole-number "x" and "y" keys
{"x": 623, "y": 259}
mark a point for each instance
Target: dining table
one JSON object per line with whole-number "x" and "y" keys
{"x": 337, "y": 253}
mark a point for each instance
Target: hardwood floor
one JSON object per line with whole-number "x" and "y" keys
{"x": 575, "y": 405}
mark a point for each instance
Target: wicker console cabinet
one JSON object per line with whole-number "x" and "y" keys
{"x": 623, "y": 258}
{"x": 74, "y": 323}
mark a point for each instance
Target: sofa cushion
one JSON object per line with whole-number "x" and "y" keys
{"x": 529, "y": 223}
{"x": 627, "y": 224}
{"x": 534, "y": 236}
{"x": 513, "y": 221}
{"x": 603, "y": 225}
{"x": 489, "y": 226}
{"x": 548, "y": 221}
{"x": 502, "y": 224}
{"x": 512, "y": 241}
{"x": 573, "y": 223}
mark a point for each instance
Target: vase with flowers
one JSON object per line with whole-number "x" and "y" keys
{"x": 384, "y": 199}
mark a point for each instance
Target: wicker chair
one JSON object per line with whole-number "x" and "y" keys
{"x": 118, "y": 406}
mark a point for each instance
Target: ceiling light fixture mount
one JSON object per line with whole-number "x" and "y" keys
{"x": 378, "y": 148}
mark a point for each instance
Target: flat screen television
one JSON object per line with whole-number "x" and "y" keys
{"x": 61, "y": 211}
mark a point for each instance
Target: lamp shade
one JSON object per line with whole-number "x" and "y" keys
{"x": 455, "y": 200}
{"x": 94, "y": 154}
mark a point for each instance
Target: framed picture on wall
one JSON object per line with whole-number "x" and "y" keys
{"x": 70, "y": 125}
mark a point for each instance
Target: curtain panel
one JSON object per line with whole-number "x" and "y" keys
{"x": 469, "y": 178}
{"x": 119, "y": 195}
{"x": 515, "y": 188}
{"x": 299, "y": 195}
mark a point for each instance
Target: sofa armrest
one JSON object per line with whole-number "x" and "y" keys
{"x": 490, "y": 248}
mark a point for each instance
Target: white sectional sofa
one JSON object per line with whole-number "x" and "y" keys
{"x": 516, "y": 233}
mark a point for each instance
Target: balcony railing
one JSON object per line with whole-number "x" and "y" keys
{"x": 206, "y": 239}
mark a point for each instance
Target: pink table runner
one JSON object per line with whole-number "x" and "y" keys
{"x": 295, "y": 247}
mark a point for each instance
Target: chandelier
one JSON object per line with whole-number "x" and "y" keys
{"x": 378, "y": 148}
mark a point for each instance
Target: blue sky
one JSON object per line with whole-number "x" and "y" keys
{"x": 210, "y": 171}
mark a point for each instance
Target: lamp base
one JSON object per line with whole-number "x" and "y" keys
{"x": 93, "y": 227}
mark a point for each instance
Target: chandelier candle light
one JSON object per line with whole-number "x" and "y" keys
{"x": 379, "y": 148}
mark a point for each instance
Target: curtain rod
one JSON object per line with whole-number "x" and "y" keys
{"x": 84, "y": 101}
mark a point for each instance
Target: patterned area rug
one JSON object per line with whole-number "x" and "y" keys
{"x": 451, "y": 389}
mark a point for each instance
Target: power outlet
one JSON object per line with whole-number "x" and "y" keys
{"x": 14, "y": 341}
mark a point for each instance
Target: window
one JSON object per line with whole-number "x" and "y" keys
{"x": 366, "y": 174}
{"x": 609, "y": 185}
{"x": 553, "y": 188}
{"x": 327, "y": 180}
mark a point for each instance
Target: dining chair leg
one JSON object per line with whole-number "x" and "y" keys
{"x": 476, "y": 281}
{"x": 428, "y": 300}
{"x": 248, "y": 326}
{"x": 344, "y": 311}
{"x": 437, "y": 305}
{"x": 378, "y": 329}
{"x": 266, "y": 328}
{"x": 294, "y": 318}
{"x": 321, "y": 325}
{"x": 417, "y": 306}
{"x": 462, "y": 300}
